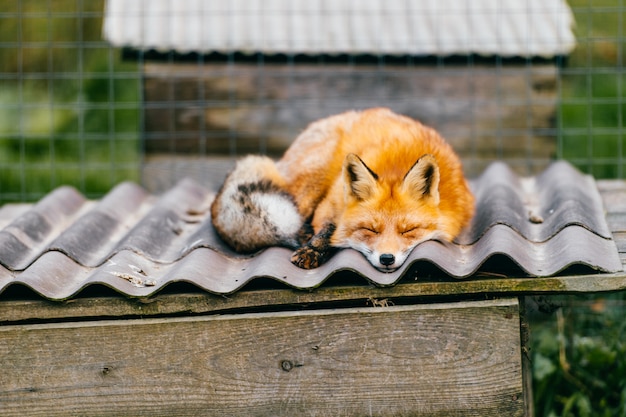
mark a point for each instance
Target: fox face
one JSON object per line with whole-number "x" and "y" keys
{"x": 385, "y": 219}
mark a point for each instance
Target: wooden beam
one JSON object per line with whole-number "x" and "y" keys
{"x": 13, "y": 311}
{"x": 453, "y": 359}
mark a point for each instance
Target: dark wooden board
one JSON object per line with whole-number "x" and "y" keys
{"x": 239, "y": 109}
{"x": 454, "y": 359}
{"x": 15, "y": 311}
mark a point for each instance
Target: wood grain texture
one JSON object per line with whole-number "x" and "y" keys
{"x": 161, "y": 172}
{"x": 613, "y": 194}
{"x": 226, "y": 109}
{"x": 455, "y": 359}
{"x": 15, "y": 311}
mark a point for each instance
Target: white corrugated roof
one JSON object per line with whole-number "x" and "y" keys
{"x": 395, "y": 27}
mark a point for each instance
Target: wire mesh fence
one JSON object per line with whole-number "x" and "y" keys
{"x": 90, "y": 105}
{"x": 69, "y": 105}
{"x": 589, "y": 121}
{"x": 150, "y": 97}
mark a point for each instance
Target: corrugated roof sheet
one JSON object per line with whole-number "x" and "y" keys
{"x": 138, "y": 243}
{"x": 396, "y": 27}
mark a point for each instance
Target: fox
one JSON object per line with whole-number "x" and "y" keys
{"x": 371, "y": 180}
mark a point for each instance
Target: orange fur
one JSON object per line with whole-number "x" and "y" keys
{"x": 389, "y": 144}
{"x": 377, "y": 182}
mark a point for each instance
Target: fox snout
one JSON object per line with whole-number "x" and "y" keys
{"x": 387, "y": 259}
{"x": 386, "y": 262}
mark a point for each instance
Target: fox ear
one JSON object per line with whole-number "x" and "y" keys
{"x": 423, "y": 178}
{"x": 359, "y": 179}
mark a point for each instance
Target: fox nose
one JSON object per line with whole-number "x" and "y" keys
{"x": 387, "y": 259}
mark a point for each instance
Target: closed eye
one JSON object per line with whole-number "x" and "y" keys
{"x": 367, "y": 228}
{"x": 417, "y": 228}
{"x": 423, "y": 228}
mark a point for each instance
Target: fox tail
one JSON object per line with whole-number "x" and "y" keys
{"x": 253, "y": 210}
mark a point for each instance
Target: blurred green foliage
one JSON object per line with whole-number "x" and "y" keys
{"x": 69, "y": 106}
{"x": 70, "y": 114}
{"x": 579, "y": 358}
{"x": 579, "y": 353}
{"x": 593, "y": 85}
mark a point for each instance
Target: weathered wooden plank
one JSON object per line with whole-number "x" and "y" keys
{"x": 527, "y": 374}
{"x": 613, "y": 193}
{"x": 611, "y": 185}
{"x": 620, "y": 241}
{"x": 14, "y": 311}
{"x": 160, "y": 172}
{"x": 454, "y": 359}
{"x": 616, "y": 221}
{"x": 222, "y": 108}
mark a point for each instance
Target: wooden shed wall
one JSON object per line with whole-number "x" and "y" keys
{"x": 486, "y": 112}
{"x": 451, "y": 359}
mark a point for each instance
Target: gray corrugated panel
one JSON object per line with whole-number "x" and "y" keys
{"x": 167, "y": 230}
{"x": 93, "y": 237}
{"x": 30, "y": 234}
{"x": 137, "y": 243}
{"x": 10, "y": 212}
{"x": 418, "y": 27}
{"x": 162, "y": 229}
{"x": 55, "y": 276}
{"x": 558, "y": 197}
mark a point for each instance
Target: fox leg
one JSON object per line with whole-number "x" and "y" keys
{"x": 316, "y": 251}
{"x": 305, "y": 234}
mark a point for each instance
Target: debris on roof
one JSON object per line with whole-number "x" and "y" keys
{"x": 527, "y": 28}
{"x": 138, "y": 243}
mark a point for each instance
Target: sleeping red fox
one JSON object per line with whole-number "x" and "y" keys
{"x": 372, "y": 180}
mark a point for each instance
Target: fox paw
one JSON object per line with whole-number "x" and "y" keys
{"x": 307, "y": 258}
